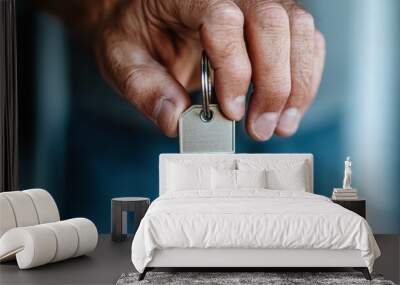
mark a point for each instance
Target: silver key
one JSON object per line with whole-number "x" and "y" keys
{"x": 203, "y": 128}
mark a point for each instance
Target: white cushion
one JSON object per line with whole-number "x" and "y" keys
{"x": 251, "y": 178}
{"x": 33, "y": 246}
{"x": 7, "y": 218}
{"x": 40, "y": 244}
{"x": 26, "y": 208}
{"x": 87, "y": 233}
{"x": 188, "y": 177}
{"x": 223, "y": 179}
{"x": 45, "y": 205}
{"x": 67, "y": 237}
{"x": 281, "y": 174}
{"x": 293, "y": 179}
{"x": 23, "y": 208}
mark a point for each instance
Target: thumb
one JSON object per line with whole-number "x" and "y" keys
{"x": 144, "y": 82}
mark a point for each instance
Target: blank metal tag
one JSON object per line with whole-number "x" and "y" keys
{"x": 200, "y": 136}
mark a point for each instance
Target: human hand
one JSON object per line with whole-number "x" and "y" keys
{"x": 150, "y": 52}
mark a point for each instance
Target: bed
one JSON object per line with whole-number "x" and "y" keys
{"x": 246, "y": 211}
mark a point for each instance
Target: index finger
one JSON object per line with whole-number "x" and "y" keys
{"x": 220, "y": 24}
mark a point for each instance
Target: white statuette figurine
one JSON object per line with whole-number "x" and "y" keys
{"x": 347, "y": 174}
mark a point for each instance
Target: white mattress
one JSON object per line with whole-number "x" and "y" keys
{"x": 252, "y": 218}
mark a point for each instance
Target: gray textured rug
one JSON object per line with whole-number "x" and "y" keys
{"x": 231, "y": 278}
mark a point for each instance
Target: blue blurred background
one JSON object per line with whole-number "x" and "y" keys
{"x": 85, "y": 144}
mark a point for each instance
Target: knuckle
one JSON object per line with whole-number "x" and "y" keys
{"x": 241, "y": 75}
{"x": 269, "y": 16}
{"x": 230, "y": 54}
{"x": 302, "y": 20}
{"x": 130, "y": 81}
{"x": 226, "y": 50}
{"x": 234, "y": 80}
{"x": 110, "y": 61}
{"x": 114, "y": 55}
{"x": 133, "y": 88}
{"x": 301, "y": 85}
{"x": 278, "y": 92}
{"x": 115, "y": 65}
{"x": 132, "y": 77}
{"x": 110, "y": 48}
{"x": 224, "y": 13}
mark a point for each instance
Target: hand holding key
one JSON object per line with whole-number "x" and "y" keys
{"x": 203, "y": 128}
{"x": 150, "y": 51}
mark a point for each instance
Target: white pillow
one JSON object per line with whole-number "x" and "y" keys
{"x": 236, "y": 179}
{"x": 294, "y": 179}
{"x": 187, "y": 177}
{"x": 251, "y": 178}
{"x": 282, "y": 174}
{"x": 223, "y": 179}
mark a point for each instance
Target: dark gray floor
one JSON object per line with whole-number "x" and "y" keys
{"x": 389, "y": 262}
{"x": 110, "y": 260}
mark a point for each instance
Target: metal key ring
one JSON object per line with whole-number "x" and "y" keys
{"x": 206, "y": 88}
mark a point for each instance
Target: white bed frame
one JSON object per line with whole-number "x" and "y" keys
{"x": 246, "y": 258}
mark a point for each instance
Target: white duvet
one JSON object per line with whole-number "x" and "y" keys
{"x": 251, "y": 218}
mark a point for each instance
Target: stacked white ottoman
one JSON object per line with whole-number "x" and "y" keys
{"x": 31, "y": 230}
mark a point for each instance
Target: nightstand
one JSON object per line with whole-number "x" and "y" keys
{"x": 357, "y": 206}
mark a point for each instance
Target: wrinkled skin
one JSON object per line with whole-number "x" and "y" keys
{"x": 150, "y": 52}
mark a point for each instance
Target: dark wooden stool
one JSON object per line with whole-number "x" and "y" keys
{"x": 119, "y": 212}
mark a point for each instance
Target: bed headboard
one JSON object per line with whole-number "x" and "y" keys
{"x": 233, "y": 159}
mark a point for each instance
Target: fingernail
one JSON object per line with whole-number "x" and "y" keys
{"x": 289, "y": 121}
{"x": 265, "y": 124}
{"x": 164, "y": 113}
{"x": 237, "y": 106}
